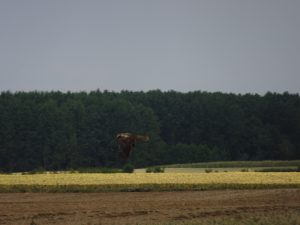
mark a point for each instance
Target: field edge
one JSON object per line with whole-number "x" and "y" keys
{"x": 136, "y": 187}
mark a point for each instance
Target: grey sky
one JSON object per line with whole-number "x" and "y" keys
{"x": 226, "y": 45}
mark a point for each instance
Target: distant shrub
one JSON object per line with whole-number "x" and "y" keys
{"x": 72, "y": 171}
{"x": 98, "y": 170}
{"x": 35, "y": 171}
{"x": 282, "y": 169}
{"x": 149, "y": 170}
{"x": 5, "y": 172}
{"x": 155, "y": 169}
{"x": 128, "y": 168}
{"x": 208, "y": 170}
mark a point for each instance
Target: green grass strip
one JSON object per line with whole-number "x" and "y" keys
{"x": 234, "y": 164}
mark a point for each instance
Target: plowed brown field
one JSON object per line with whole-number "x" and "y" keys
{"x": 142, "y": 207}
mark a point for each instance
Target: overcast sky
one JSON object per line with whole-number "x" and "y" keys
{"x": 239, "y": 46}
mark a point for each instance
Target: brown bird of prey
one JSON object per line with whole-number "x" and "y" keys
{"x": 127, "y": 141}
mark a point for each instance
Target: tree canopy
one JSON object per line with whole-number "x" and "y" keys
{"x": 56, "y": 131}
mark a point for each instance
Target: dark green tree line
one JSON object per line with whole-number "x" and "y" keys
{"x": 55, "y": 131}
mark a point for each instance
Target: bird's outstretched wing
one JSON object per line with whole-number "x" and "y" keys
{"x": 127, "y": 141}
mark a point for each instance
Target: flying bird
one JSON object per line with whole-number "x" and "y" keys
{"x": 127, "y": 141}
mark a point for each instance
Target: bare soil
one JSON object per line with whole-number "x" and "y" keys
{"x": 142, "y": 207}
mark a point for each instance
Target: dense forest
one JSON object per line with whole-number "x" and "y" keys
{"x": 58, "y": 131}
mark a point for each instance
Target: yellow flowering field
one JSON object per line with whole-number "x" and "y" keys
{"x": 147, "y": 181}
